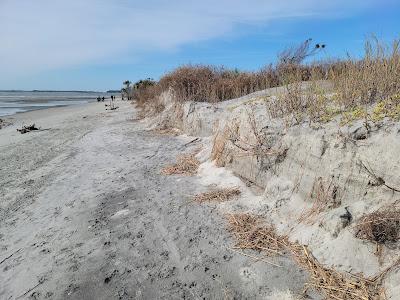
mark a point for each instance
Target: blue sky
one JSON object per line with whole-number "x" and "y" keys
{"x": 96, "y": 44}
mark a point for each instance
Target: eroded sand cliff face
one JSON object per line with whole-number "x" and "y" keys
{"x": 317, "y": 179}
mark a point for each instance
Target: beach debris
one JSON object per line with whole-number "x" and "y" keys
{"x": 252, "y": 233}
{"x": 111, "y": 107}
{"x": 381, "y": 226}
{"x": 186, "y": 164}
{"x": 334, "y": 284}
{"x": 217, "y": 195}
{"x": 26, "y": 129}
{"x": 346, "y": 217}
{"x": 4, "y": 123}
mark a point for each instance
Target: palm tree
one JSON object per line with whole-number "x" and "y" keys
{"x": 127, "y": 89}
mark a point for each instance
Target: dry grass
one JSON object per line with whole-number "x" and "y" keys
{"x": 251, "y": 233}
{"x": 186, "y": 165}
{"x": 380, "y": 227}
{"x": 374, "y": 78}
{"x": 336, "y": 285}
{"x": 217, "y": 195}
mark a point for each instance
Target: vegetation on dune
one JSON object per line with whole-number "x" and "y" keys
{"x": 357, "y": 85}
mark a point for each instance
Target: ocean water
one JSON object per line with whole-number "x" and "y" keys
{"x": 17, "y": 102}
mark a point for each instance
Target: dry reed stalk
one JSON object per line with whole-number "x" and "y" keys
{"x": 251, "y": 233}
{"x": 333, "y": 284}
{"x": 324, "y": 196}
{"x": 186, "y": 165}
{"x": 217, "y": 195}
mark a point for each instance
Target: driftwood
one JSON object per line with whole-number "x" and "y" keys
{"x": 26, "y": 129}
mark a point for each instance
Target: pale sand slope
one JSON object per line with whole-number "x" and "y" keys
{"x": 85, "y": 214}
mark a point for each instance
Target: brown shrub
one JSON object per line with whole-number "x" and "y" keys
{"x": 212, "y": 84}
{"x": 357, "y": 83}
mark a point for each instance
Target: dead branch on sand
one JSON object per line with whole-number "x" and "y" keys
{"x": 26, "y": 129}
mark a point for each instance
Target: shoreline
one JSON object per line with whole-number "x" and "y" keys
{"x": 56, "y": 118}
{"x": 42, "y": 111}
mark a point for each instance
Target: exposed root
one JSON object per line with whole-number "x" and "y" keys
{"x": 324, "y": 195}
{"x": 186, "y": 165}
{"x": 217, "y": 195}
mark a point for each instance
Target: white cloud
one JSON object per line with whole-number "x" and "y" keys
{"x": 50, "y": 34}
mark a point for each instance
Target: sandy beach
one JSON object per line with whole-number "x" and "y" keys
{"x": 86, "y": 214}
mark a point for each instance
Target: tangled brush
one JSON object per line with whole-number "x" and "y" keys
{"x": 381, "y": 226}
{"x": 251, "y": 233}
